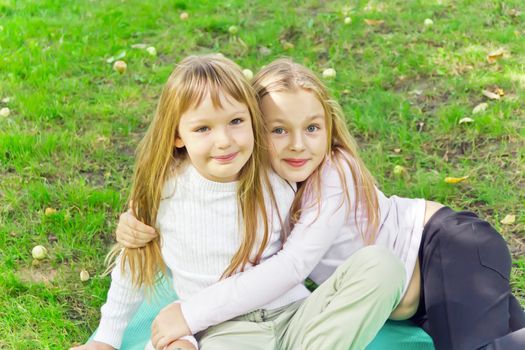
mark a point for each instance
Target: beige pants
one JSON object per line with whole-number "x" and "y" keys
{"x": 345, "y": 312}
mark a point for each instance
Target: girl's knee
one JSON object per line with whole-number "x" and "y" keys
{"x": 388, "y": 270}
{"x": 381, "y": 259}
{"x": 381, "y": 268}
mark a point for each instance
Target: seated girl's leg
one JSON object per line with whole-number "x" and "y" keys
{"x": 408, "y": 305}
{"x": 517, "y": 316}
{"x": 238, "y": 335}
{"x": 347, "y": 310}
{"x": 465, "y": 268}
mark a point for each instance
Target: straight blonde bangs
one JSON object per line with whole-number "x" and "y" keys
{"x": 196, "y": 77}
{"x": 192, "y": 80}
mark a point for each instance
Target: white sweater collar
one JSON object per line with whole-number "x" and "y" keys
{"x": 187, "y": 176}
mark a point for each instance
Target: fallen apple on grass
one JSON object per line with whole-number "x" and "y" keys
{"x": 233, "y": 30}
{"x": 120, "y": 67}
{"x": 248, "y": 74}
{"x": 399, "y": 171}
{"x": 84, "y": 276}
{"x": 4, "y": 112}
{"x": 329, "y": 73}
{"x": 152, "y": 51}
{"x": 39, "y": 252}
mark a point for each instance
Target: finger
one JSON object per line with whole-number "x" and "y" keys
{"x": 128, "y": 241}
{"x": 143, "y": 236}
{"x": 154, "y": 328}
{"x": 154, "y": 340}
{"x": 155, "y": 336}
{"x": 129, "y": 244}
{"x": 127, "y": 233}
{"x": 156, "y": 344}
{"x": 126, "y": 237}
{"x": 163, "y": 342}
{"x": 130, "y": 220}
{"x": 141, "y": 227}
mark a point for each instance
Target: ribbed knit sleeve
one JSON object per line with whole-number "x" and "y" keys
{"x": 310, "y": 239}
{"x": 122, "y": 302}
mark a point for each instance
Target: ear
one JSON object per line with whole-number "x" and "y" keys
{"x": 178, "y": 142}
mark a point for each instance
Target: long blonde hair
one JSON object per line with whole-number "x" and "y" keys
{"x": 193, "y": 79}
{"x": 284, "y": 75}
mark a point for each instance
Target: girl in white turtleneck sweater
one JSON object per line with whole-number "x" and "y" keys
{"x": 457, "y": 266}
{"x": 201, "y": 179}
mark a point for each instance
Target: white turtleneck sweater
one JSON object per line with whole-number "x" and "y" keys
{"x": 200, "y": 232}
{"x": 324, "y": 237}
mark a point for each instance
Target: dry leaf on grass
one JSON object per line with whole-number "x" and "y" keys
{"x": 509, "y": 219}
{"x": 139, "y": 46}
{"x": 466, "y": 120}
{"x": 50, "y": 211}
{"x": 495, "y": 55}
{"x": 455, "y": 180}
{"x": 263, "y": 50}
{"x": 514, "y": 13}
{"x": 116, "y": 58}
{"x": 480, "y": 108}
{"x": 287, "y": 45}
{"x": 374, "y": 22}
{"x": 491, "y": 95}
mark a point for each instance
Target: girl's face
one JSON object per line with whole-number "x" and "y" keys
{"x": 297, "y": 126}
{"x": 219, "y": 141}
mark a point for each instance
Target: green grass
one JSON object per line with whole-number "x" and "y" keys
{"x": 74, "y": 124}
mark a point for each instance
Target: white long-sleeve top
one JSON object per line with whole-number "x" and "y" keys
{"x": 325, "y": 236}
{"x": 200, "y": 232}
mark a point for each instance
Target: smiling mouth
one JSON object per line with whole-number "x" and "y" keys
{"x": 296, "y": 163}
{"x": 226, "y": 158}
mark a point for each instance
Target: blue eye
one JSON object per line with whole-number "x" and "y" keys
{"x": 202, "y": 129}
{"x": 236, "y": 121}
{"x": 278, "y": 131}
{"x": 312, "y": 128}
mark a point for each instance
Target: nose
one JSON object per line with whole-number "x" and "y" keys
{"x": 223, "y": 139}
{"x": 297, "y": 143}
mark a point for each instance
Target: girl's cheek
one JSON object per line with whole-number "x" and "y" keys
{"x": 277, "y": 146}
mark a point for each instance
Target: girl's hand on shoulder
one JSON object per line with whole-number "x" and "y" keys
{"x": 93, "y": 345}
{"x": 132, "y": 233}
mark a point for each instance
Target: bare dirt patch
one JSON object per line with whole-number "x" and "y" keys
{"x": 38, "y": 274}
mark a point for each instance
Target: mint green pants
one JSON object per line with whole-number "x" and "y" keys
{"x": 345, "y": 312}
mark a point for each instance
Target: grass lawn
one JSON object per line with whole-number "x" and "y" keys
{"x": 73, "y": 124}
